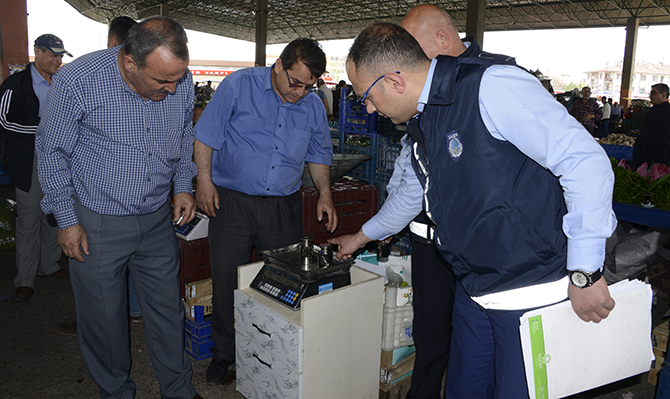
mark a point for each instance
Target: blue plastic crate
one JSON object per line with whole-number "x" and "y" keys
{"x": 202, "y": 329}
{"x": 354, "y": 118}
{"x": 663, "y": 387}
{"x": 198, "y": 347}
{"x": 199, "y": 313}
{"x": 389, "y": 149}
{"x": 198, "y": 335}
{"x": 366, "y": 170}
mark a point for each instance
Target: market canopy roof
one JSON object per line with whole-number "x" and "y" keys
{"x": 342, "y": 19}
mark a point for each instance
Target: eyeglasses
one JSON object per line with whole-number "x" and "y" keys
{"x": 294, "y": 86}
{"x": 365, "y": 95}
{"x": 653, "y": 92}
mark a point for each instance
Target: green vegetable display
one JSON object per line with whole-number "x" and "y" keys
{"x": 631, "y": 187}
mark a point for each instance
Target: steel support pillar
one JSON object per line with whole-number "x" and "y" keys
{"x": 476, "y": 20}
{"x": 629, "y": 62}
{"x": 261, "y": 31}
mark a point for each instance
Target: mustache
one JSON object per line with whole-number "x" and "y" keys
{"x": 162, "y": 91}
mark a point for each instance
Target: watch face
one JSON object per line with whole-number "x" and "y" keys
{"x": 579, "y": 279}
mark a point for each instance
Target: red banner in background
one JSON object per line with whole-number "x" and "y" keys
{"x": 210, "y": 72}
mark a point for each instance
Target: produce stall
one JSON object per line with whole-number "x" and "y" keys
{"x": 638, "y": 214}
{"x": 642, "y": 196}
{"x": 618, "y": 146}
{"x": 618, "y": 151}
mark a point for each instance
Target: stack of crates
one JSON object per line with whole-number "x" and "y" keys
{"x": 389, "y": 149}
{"x": 357, "y": 128}
{"x": 355, "y": 203}
{"x": 198, "y": 335}
{"x": 354, "y": 118}
{"x": 198, "y": 294}
{"x": 194, "y": 257}
{"x": 360, "y": 134}
{"x": 365, "y": 144}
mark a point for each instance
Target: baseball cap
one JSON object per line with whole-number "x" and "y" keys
{"x": 53, "y": 43}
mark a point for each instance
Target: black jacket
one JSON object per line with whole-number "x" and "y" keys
{"x": 19, "y": 110}
{"x": 653, "y": 144}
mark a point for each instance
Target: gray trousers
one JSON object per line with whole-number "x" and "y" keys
{"x": 146, "y": 246}
{"x": 37, "y": 250}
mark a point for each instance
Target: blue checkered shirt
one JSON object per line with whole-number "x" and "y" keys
{"x": 107, "y": 147}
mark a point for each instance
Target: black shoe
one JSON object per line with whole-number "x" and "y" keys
{"x": 217, "y": 372}
{"x": 68, "y": 328}
{"x": 22, "y": 294}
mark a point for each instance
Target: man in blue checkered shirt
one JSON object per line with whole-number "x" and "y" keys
{"x": 116, "y": 137}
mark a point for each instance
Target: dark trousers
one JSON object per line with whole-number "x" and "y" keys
{"x": 243, "y": 222}
{"x": 433, "y": 283}
{"x": 603, "y": 129}
{"x": 145, "y": 246}
{"x": 486, "y": 361}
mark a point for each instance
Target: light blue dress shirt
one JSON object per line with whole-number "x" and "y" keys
{"x": 40, "y": 87}
{"x": 260, "y": 143}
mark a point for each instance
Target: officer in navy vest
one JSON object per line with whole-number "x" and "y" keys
{"x": 519, "y": 192}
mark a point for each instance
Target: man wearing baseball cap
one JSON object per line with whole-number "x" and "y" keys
{"x": 21, "y": 98}
{"x": 52, "y": 43}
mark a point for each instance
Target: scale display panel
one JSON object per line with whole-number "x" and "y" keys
{"x": 288, "y": 283}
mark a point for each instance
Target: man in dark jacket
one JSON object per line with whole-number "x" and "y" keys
{"x": 653, "y": 144}
{"x": 23, "y": 93}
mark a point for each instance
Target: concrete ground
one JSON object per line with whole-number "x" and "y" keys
{"x": 38, "y": 362}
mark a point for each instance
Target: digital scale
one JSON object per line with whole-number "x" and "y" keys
{"x": 299, "y": 271}
{"x": 196, "y": 228}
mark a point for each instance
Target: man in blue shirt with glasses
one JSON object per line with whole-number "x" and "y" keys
{"x": 252, "y": 142}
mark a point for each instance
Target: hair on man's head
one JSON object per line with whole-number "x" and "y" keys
{"x": 146, "y": 36}
{"x": 305, "y": 50}
{"x": 384, "y": 47}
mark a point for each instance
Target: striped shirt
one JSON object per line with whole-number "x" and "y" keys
{"x": 103, "y": 144}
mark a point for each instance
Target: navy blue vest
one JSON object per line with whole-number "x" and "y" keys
{"x": 498, "y": 213}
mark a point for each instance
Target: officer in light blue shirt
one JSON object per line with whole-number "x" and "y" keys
{"x": 252, "y": 142}
{"x": 482, "y": 163}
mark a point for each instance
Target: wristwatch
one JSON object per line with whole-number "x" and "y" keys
{"x": 582, "y": 279}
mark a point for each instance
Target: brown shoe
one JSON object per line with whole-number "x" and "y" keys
{"x": 22, "y": 294}
{"x": 60, "y": 274}
{"x": 68, "y": 328}
{"x": 197, "y": 396}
